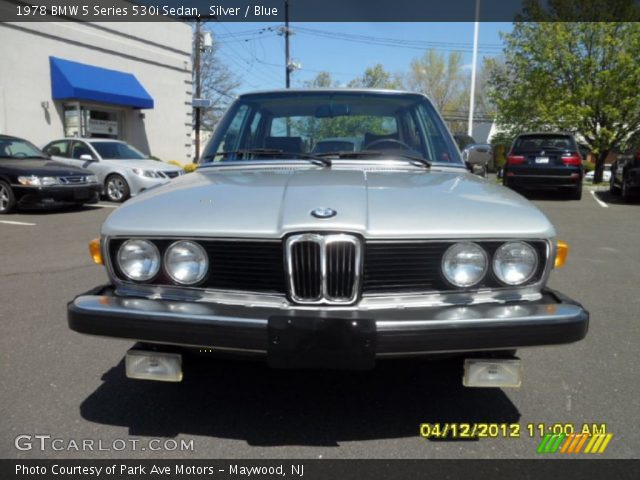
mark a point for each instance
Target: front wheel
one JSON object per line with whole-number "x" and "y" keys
{"x": 626, "y": 192}
{"x": 7, "y": 200}
{"x": 576, "y": 193}
{"x": 613, "y": 189}
{"x": 117, "y": 188}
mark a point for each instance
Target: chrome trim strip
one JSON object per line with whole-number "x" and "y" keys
{"x": 143, "y": 308}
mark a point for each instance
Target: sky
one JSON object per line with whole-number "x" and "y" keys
{"x": 255, "y": 52}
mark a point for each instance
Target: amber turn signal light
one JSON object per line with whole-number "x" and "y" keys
{"x": 96, "y": 255}
{"x": 561, "y": 254}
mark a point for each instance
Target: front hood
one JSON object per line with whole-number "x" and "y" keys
{"x": 271, "y": 202}
{"x": 40, "y": 167}
{"x": 144, "y": 164}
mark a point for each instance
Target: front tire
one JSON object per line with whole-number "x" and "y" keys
{"x": 576, "y": 193}
{"x": 613, "y": 189}
{"x": 7, "y": 199}
{"x": 116, "y": 188}
{"x": 626, "y": 192}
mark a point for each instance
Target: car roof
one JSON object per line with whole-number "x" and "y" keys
{"x": 545, "y": 134}
{"x": 90, "y": 140}
{"x": 10, "y": 137}
{"x": 297, "y": 91}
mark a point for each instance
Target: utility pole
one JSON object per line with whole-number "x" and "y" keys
{"x": 287, "y": 33}
{"x": 473, "y": 69}
{"x": 198, "y": 88}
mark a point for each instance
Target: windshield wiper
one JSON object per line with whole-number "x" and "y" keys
{"x": 315, "y": 159}
{"x": 377, "y": 153}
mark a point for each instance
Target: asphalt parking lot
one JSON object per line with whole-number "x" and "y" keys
{"x": 57, "y": 382}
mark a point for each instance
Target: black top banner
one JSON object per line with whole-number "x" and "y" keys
{"x": 320, "y": 10}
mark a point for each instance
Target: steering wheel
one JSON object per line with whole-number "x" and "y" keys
{"x": 390, "y": 141}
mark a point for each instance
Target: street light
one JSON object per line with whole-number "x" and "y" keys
{"x": 476, "y": 27}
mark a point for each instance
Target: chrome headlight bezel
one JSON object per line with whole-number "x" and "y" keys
{"x": 470, "y": 247}
{"x": 195, "y": 247}
{"x": 153, "y": 257}
{"x": 497, "y": 268}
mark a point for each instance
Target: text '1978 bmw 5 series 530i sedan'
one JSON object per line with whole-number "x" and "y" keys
{"x": 330, "y": 260}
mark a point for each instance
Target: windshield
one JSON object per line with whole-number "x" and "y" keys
{"x": 541, "y": 142}
{"x": 117, "y": 151}
{"x": 268, "y": 126}
{"x": 17, "y": 148}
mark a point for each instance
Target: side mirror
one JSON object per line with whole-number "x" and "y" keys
{"x": 87, "y": 157}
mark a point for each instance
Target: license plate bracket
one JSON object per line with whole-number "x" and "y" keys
{"x": 321, "y": 343}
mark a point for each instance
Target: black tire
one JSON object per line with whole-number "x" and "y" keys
{"x": 116, "y": 188}
{"x": 626, "y": 192}
{"x": 576, "y": 193}
{"x": 7, "y": 199}
{"x": 613, "y": 189}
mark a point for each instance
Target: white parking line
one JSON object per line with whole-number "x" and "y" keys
{"x": 600, "y": 202}
{"x": 102, "y": 205}
{"x": 9, "y": 222}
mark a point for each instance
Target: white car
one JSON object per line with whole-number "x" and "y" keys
{"x": 606, "y": 175}
{"x": 122, "y": 170}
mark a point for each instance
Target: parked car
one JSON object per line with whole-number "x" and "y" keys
{"x": 479, "y": 155}
{"x": 606, "y": 174}
{"x": 330, "y": 260}
{"x": 28, "y": 178}
{"x": 625, "y": 174}
{"x": 545, "y": 161}
{"x": 122, "y": 170}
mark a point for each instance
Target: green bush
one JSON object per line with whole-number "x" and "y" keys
{"x": 588, "y": 166}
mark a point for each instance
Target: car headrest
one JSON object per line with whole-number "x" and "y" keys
{"x": 286, "y": 144}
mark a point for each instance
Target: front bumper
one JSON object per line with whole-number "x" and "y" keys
{"x": 59, "y": 194}
{"x": 554, "y": 319}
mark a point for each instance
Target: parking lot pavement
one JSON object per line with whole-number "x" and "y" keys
{"x": 70, "y": 386}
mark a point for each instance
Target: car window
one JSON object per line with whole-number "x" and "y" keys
{"x": 325, "y": 122}
{"x": 541, "y": 142}
{"x": 59, "y": 149}
{"x": 117, "y": 151}
{"x": 79, "y": 149}
{"x": 18, "y": 148}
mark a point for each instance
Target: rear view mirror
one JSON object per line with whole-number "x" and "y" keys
{"x": 327, "y": 111}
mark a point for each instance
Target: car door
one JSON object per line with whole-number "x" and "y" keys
{"x": 59, "y": 151}
{"x": 78, "y": 149}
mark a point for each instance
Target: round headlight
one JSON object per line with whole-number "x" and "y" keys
{"x": 139, "y": 260}
{"x": 186, "y": 262}
{"x": 514, "y": 263}
{"x": 464, "y": 264}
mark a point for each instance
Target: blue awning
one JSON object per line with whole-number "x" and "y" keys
{"x": 79, "y": 81}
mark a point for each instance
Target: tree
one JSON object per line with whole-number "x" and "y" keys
{"x": 442, "y": 79}
{"x": 578, "y": 77}
{"x": 376, "y": 77}
{"x": 321, "y": 80}
{"x": 218, "y": 84}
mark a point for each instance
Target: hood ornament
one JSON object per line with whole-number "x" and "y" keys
{"x": 324, "y": 212}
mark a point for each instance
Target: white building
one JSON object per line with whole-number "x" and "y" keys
{"x": 130, "y": 81}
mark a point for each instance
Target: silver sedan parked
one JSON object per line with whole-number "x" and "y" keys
{"x": 122, "y": 170}
{"x": 330, "y": 260}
